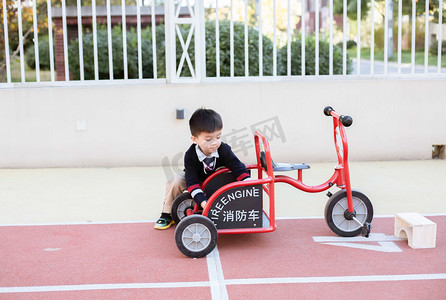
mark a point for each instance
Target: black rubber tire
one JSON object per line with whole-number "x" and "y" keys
{"x": 334, "y": 213}
{"x": 196, "y": 236}
{"x": 180, "y": 205}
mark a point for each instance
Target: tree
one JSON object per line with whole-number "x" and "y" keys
{"x": 352, "y": 8}
{"x": 13, "y": 34}
{"x": 406, "y": 8}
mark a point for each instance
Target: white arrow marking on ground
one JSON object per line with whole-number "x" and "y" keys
{"x": 384, "y": 241}
{"x": 383, "y": 246}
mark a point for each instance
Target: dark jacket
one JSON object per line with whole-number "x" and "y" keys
{"x": 195, "y": 171}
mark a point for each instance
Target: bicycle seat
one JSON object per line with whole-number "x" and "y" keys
{"x": 281, "y": 167}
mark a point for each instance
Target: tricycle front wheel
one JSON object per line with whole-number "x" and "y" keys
{"x": 336, "y": 213}
{"x": 196, "y": 236}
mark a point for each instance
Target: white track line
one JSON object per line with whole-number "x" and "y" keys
{"x": 368, "y": 278}
{"x": 153, "y": 221}
{"x": 90, "y": 287}
{"x": 78, "y": 223}
{"x": 247, "y": 281}
{"x": 376, "y": 216}
{"x": 216, "y": 277}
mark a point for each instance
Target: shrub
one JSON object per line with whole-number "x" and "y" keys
{"x": 210, "y": 40}
{"x": 406, "y": 31}
{"x": 351, "y": 44}
{"x": 225, "y": 50}
{"x": 117, "y": 50}
{"x": 146, "y": 40}
{"x": 324, "y": 55}
{"x": 44, "y": 54}
{"x": 433, "y": 48}
{"x": 239, "y": 50}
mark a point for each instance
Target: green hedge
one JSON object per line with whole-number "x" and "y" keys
{"x": 146, "y": 38}
{"x": 117, "y": 50}
{"x": 239, "y": 50}
{"x": 433, "y": 48}
{"x": 310, "y": 57}
{"x": 224, "y": 31}
{"x": 44, "y": 54}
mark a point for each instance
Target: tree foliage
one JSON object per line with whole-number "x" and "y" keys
{"x": 352, "y": 10}
{"x": 44, "y": 55}
{"x": 27, "y": 28}
{"x": 434, "y": 6}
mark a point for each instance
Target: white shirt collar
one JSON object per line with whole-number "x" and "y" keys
{"x": 202, "y": 156}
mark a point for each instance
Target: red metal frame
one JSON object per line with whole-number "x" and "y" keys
{"x": 340, "y": 177}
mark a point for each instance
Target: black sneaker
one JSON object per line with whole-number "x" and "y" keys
{"x": 164, "y": 222}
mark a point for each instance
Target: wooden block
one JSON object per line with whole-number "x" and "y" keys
{"x": 419, "y": 231}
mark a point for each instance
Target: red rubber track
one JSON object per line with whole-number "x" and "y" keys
{"x": 94, "y": 260}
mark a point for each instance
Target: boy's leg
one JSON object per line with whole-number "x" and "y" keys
{"x": 173, "y": 188}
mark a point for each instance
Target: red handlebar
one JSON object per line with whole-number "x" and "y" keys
{"x": 345, "y": 120}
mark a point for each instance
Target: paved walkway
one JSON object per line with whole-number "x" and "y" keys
{"x": 85, "y": 195}
{"x": 392, "y": 68}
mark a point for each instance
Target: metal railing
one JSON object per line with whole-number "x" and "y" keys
{"x": 147, "y": 41}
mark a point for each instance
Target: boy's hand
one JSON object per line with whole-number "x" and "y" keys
{"x": 203, "y": 204}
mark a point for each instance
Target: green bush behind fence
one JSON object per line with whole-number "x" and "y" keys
{"x": 210, "y": 38}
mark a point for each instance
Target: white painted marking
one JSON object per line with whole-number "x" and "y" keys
{"x": 216, "y": 277}
{"x": 384, "y": 241}
{"x": 374, "y": 237}
{"x": 90, "y": 287}
{"x": 51, "y": 249}
{"x": 369, "y": 278}
{"x": 434, "y": 214}
{"x": 383, "y": 246}
{"x": 300, "y": 218}
{"x": 153, "y": 221}
{"x": 78, "y": 223}
{"x": 375, "y": 216}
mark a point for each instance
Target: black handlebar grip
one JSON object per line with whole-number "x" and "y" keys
{"x": 327, "y": 110}
{"x": 346, "y": 120}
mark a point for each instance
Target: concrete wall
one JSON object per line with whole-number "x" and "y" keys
{"x": 136, "y": 125}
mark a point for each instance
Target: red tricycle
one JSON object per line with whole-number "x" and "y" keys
{"x": 237, "y": 206}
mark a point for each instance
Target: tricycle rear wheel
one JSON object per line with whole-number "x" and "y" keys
{"x": 336, "y": 211}
{"x": 196, "y": 236}
{"x": 181, "y": 204}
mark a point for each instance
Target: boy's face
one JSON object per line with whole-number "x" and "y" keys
{"x": 208, "y": 141}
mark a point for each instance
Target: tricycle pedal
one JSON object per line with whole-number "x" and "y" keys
{"x": 366, "y": 228}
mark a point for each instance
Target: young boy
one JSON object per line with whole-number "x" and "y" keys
{"x": 204, "y": 156}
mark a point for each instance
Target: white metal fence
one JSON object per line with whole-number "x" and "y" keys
{"x": 144, "y": 41}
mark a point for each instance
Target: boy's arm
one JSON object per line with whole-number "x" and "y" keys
{"x": 192, "y": 181}
{"x": 232, "y": 162}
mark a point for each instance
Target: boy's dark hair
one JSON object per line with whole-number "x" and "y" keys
{"x": 204, "y": 120}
